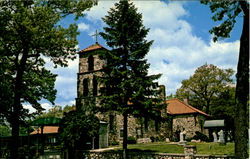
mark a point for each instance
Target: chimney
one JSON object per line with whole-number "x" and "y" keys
{"x": 185, "y": 100}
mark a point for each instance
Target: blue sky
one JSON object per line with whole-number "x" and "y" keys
{"x": 180, "y": 30}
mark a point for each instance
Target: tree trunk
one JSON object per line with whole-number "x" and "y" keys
{"x": 17, "y": 107}
{"x": 207, "y": 106}
{"x": 242, "y": 90}
{"x": 125, "y": 135}
{"x": 15, "y": 127}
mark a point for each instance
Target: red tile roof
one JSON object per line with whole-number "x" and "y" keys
{"x": 93, "y": 47}
{"x": 177, "y": 107}
{"x": 46, "y": 130}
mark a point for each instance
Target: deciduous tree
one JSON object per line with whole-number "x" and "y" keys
{"x": 29, "y": 34}
{"x": 56, "y": 111}
{"x": 203, "y": 88}
{"x": 227, "y": 11}
{"x": 129, "y": 89}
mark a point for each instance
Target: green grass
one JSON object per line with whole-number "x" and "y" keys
{"x": 214, "y": 148}
{"x": 158, "y": 147}
{"x": 202, "y": 148}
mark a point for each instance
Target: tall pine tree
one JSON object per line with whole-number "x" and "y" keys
{"x": 129, "y": 89}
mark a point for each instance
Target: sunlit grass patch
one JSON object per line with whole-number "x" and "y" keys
{"x": 202, "y": 148}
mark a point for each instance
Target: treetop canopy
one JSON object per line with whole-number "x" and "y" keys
{"x": 48, "y": 121}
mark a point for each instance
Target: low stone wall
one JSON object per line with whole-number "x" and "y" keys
{"x": 147, "y": 155}
{"x": 143, "y": 140}
{"x": 131, "y": 155}
{"x": 213, "y": 157}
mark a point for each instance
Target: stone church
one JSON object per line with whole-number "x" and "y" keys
{"x": 90, "y": 67}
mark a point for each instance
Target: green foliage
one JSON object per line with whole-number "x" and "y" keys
{"x": 129, "y": 89}
{"x": 224, "y": 108}
{"x": 131, "y": 140}
{"x": 77, "y": 128}
{"x": 114, "y": 143}
{"x": 200, "y": 136}
{"x": 205, "y": 86}
{"x": 4, "y": 130}
{"x": 171, "y": 96}
{"x": 225, "y": 11}
{"x": 56, "y": 111}
{"x": 30, "y": 35}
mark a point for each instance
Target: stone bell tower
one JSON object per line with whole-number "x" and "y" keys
{"x": 90, "y": 66}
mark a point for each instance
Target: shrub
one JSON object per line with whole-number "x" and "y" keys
{"x": 188, "y": 139}
{"x": 77, "y": 129}
{"x": 114, "y": 143}
{"x": 131, "y": 140}
{"x": 152, "y": 139}
{"x": 200, "y": 136}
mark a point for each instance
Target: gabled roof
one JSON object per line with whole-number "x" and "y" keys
{"x": 95, "y": 46}
{"x": 178, "y": 107}
{"x": 46, "y": 130}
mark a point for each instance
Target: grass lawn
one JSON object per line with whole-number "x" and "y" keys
{"x": 202, "y": 148}
{"x": 214, "y": 148}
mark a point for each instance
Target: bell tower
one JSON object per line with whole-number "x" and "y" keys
{"x": 90, "y": 67}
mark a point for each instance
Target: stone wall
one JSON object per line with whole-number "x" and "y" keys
{"x": 136, "y": 129}
{"x": 84, "y": 73}
{"x": 83, "y": 63}
{"x": 144, "y": 155}
{"x": 191, "y": 123}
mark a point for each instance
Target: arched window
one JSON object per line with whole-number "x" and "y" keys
{"x": 91, "y": 63}
{"x": 85, "y": 87}
{"x": 95, "y": 86}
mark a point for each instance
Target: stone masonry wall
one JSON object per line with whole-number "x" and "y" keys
{"x": 84, "y": 73}
{"x": 191, "y": 123}
{"x": 144, "y": 155}
{"x": 83, "y": 63}
{"x": 136, "y": 129}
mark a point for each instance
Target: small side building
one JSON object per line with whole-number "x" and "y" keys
{"x": 186, "y": 117}
{"x": 49, "y": 137}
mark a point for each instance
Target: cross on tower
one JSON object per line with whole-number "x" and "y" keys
{"x": 96, "y": 35}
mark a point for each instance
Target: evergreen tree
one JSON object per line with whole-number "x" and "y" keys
{"x": 129, "y": 89}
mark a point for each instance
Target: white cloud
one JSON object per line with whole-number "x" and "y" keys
{"x": 46, "y": 106}
{"x": 69, "y": 102}
{"x": 176, "y": 51}
{"x": 99, "y": 11}
{"x": 29, "y": 107}
{"x": 83, "y": 27}
{"x": 66, "y": 81}
{"x": 159, "y": 14}
{"x": 77, "y": 47}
